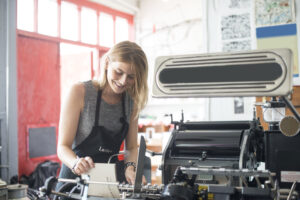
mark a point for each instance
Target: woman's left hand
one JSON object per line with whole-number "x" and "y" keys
{"x": 130, "y": 176}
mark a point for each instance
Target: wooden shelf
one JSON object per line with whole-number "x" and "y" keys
{"x": 156, "y": 180}
{"x": 154, "y": 147}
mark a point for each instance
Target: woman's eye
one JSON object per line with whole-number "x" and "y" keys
{"x": 118, "y": 72}
{"x": 131, "y": 77}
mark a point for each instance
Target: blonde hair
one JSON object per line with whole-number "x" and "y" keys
{"x": 131, "y": 53}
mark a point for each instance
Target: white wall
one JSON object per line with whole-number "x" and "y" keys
{"x": 170, "y": 27}
{"x": 297, "y": 7}
{"x": 220, "y": 108}
{"x": 223, "y": 108}
{"x": 127, "y": 6}
{"x": 181, "y": 27}
{"x": 166, "y": 27}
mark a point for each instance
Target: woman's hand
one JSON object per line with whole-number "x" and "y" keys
{"x": 130, "y": 176}
{"x": 83, "y": 165}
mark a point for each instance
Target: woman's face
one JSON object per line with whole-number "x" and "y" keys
{"x": 120, "y": 76}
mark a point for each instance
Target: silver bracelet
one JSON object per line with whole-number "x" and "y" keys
{"x": 73, "y": 168}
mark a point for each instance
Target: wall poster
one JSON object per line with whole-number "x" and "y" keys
{"x": 236, "y": 22}
{"x": 270, "y": 12}
{"x": 276, "y": 27}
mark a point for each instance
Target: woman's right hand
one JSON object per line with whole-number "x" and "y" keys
{"x": 83, "y": 165}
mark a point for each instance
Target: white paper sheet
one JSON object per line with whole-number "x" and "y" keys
{"x": 103, "y": 173}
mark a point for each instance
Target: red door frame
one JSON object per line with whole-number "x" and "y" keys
{"x": 37, "y": 41}
{"x": 38, "y": 94}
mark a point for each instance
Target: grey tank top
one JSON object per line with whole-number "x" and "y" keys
{"x": 109, "y": 115}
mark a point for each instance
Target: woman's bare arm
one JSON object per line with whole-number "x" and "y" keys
{"x": 68, "y": 124}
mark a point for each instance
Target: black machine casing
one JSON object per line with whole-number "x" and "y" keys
{"x": 215, "y": 144}
{"x": 282, "y": 154}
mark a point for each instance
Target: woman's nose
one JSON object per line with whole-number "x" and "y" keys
{"x": 123, "y": 79}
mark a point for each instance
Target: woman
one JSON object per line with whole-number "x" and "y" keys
{"x": 98, "y": 116}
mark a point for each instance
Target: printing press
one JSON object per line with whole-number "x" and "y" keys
{"x": 221, "y": 159}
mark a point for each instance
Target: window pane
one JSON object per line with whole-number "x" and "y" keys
{"x": 106, "y": 32}
{"x": 69, "y": 21}
{"x": 47, "y": 17}
{"x": 26, "y": 15}
{"x": 122, "y": 29}
{"x": 88, "y": 26}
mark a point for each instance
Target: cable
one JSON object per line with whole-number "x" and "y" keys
{"x": 292, "y": 190}
{"x": 117, "y": 154}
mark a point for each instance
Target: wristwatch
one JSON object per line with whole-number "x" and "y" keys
{"x": 130, "y": 164}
